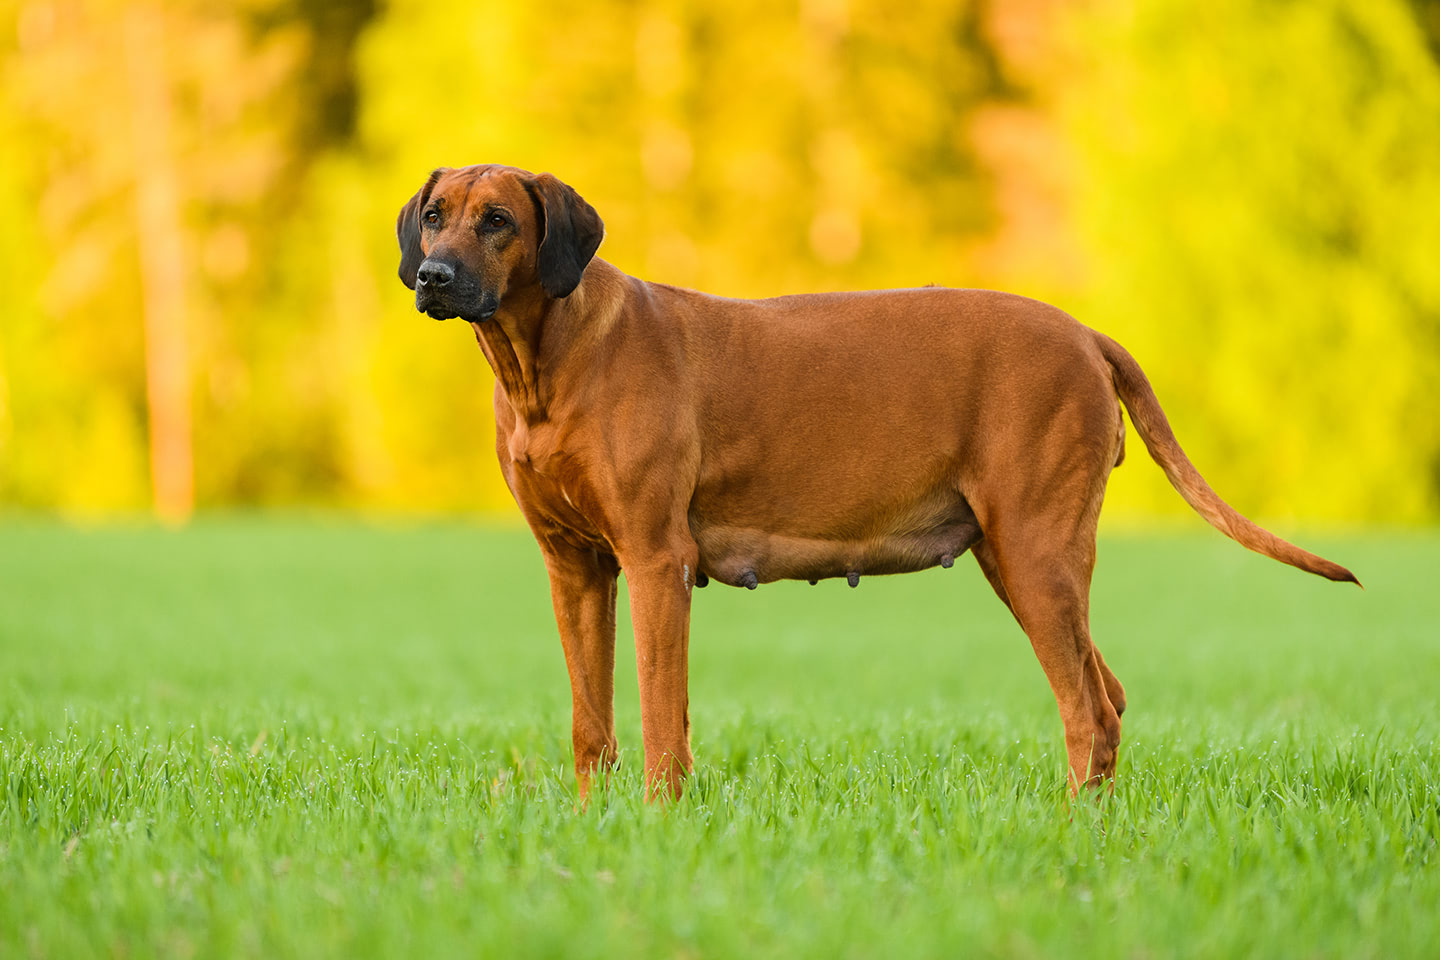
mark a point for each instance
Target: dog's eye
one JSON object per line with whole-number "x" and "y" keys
{"x": 497, "y": 221}
{"x": 432, "y": 217}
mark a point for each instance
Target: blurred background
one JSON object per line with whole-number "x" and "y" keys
{"x": 198, "y": 301}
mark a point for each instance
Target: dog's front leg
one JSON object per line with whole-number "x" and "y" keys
{"x": 582, "y": 587}
{"x": 660, "y": 584}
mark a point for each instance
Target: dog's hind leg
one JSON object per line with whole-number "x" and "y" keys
{"x": 1113, "y": 688}
{"x": 1042, "y": 551}
{"x": 582, "y": 587}
{"x": 985, "y": 557}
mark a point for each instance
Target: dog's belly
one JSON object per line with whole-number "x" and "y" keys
{"x": 909, "y": 538}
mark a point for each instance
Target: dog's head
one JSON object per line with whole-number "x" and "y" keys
{"x": 472, "y": 237}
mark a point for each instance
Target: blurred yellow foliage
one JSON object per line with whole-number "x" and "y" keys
{"x": 1243, "y": 193}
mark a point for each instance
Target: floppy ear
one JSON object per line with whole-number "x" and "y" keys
{"x": 570, "y": 233}
{"x": 407, "y": 231}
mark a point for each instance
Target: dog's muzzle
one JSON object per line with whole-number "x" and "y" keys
{"x": 442, "y": 293}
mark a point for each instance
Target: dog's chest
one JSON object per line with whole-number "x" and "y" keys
{"x": 550, "y": 483}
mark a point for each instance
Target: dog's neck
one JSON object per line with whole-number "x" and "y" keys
{"x": 510, "y": 341}
{"x": 531, "y": 340}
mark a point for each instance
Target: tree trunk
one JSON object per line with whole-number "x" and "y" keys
{"x": 162, "y": 266}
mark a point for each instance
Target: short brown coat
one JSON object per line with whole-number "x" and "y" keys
{"x": 685, "y": 437}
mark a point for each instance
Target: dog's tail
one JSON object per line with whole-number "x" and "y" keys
{"x": 1138, "y": 397}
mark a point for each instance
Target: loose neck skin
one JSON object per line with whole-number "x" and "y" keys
{"x": 533, "y": 339}
{"x": 510, "y": 340}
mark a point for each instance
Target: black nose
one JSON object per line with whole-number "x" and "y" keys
{"x": 435, "y": 274}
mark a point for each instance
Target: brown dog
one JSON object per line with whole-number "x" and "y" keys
{"x": 686, "y": 437}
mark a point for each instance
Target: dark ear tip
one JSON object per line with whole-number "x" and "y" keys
{"x": 559, "y": 283}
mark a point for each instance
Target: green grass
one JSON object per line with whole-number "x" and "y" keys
{"x": 301, "y": 739}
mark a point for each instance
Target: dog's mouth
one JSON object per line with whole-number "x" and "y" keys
{"x": 484, "y": 310}
{"x": 437, "y": 310}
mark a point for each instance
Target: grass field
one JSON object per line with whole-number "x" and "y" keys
{"x": 299, "y": 739}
